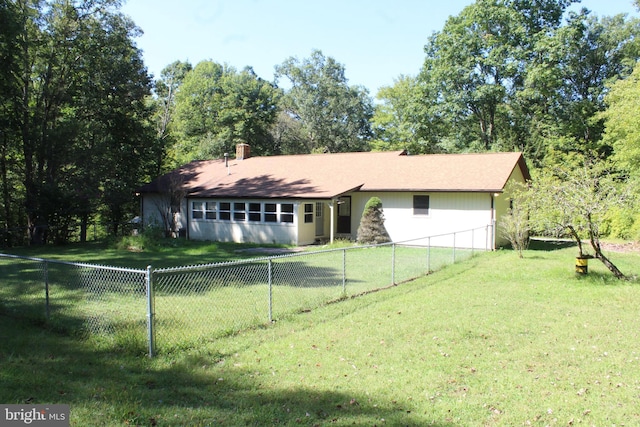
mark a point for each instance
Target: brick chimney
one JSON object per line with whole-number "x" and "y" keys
{"x": 243, "y": 151}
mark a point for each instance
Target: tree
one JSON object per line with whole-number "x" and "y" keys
{"x": 218, "y": 107}
{"x": 399, "y": 121}
{"x": 516, "y": 226}
{"x": 473, "y": 66}
{"x": 288, "y": 135}
{"x": 11, "y": 210}
{"x": 335, "y": 116}
{"x": 575, "y": 202}
{"x": 166, "y": 88}
{"x": 510, "y": 75}
{"x": 579, "y": 60}
{"x": 622, "y": 122}
{"x": 371, "y": 229}
{"x": 80, "y": 116}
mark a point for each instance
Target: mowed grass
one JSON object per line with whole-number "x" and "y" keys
{"x": 202, "y": 302}
{"x": 494, "y": 340}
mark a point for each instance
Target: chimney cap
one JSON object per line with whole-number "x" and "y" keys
{"x": 243, "y": 151}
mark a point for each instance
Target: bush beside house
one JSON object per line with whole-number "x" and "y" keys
{"x": 372, "y": 229}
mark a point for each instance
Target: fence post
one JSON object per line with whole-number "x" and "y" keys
{"x": 473, "y": 234}
{"x": 344, "y": 271}
{"x": 454, "y": 248}
{"x": 270, "y": 274}
{"x": 429, "y": 255}
{"x": 393, "y": 263}
{"x": 46, "y": 290}
{"x": 150, "y": 310}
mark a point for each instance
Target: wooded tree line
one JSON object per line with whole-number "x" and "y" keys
{"x": 82, "y": 123}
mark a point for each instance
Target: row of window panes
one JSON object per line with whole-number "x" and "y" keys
{"x": 242, "y": 211}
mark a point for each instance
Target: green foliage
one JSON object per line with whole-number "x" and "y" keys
{"x": 371, "y": 229}
{"x": 516, "y": 226}
{"x": 576, "y": 203}
{"x": 509, "y": 75}
{"x": 622, "y": 121}
{"x": 334, "y": 116}
{"x": 218, "y": 107}
{"x": 74, "y": 115}
{"x": 618, "y": 223}
{"x": 400, "y": 122}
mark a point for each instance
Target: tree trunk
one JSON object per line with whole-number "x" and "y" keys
{"x": 576, "y": 236}
{"x": 616, "y": 272}
{"x": 6, "y": 196}
{"x": 84, "y": 221}
{"x": 594, "y": 238}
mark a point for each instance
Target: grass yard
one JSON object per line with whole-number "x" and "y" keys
{"x": 202, "y": 302}
{"x": 495, "y": 340}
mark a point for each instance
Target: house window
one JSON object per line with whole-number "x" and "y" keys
{"x": 197, "y": 210}
{"x": 239, "y": 213}
{"x": 225, "y": 211}
{"x": 203, "y": 210}
{"x": 254, "y": 211}
{"x": 308, "y": 213}
{"x": 286, "y": 212}
{"x": 210, "y": 210}
{"x": 421, "y": 205}
{"x": 270, "y": 214}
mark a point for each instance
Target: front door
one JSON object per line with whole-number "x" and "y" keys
{"x": 319, "y": 220}
{"x": 344, "y": 215}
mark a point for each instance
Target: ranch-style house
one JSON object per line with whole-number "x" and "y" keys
{"x": 303, "y": 199}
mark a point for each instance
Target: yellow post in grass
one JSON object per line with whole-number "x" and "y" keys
{"x": 582, "y": 264}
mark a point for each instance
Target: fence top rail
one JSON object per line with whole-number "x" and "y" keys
{"x": 199, "y": 267}
{"x": 75, "y": 264}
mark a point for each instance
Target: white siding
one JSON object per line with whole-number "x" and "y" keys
{"x": 448, "y": 213}
{"x": 152, "y": 207}
{"x": 243, "y": 232}
{"x": 246, "y": 231}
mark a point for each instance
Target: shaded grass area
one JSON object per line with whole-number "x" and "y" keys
{"x": 492, "y": 341}
{"x": 165, "y": 253}
{"x": 202, "y": 303}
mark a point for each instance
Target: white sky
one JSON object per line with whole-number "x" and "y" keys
{"x": 375, "y": 40}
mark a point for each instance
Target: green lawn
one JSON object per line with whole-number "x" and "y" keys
{"x": 202, "y": 302}
{"x": 494, "y": 340}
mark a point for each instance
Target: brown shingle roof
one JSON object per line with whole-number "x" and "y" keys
{"x": 330, "y": 175}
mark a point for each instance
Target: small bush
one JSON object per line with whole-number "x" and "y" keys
{"x": 619, "y": 223}
{"x": 372, "y": 229}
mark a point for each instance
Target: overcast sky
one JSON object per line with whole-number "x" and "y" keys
{"x": 375, "y": 40}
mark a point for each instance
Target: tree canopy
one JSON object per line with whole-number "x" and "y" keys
{"x": 73, "y": 116}
{"x": 82, "y": 124}
{"x": 334, "y": 116}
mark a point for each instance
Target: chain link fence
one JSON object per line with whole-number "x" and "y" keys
{"x": 181, "y": 307}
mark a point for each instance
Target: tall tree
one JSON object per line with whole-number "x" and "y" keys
{"x": 473, "y": 66}
{"x": 166, "y": 88}
{"x": 218, "y": 107}
{"x": 82, "y": 84}
{"x": 579, "y": 60}
{"x": 509, "y": 75}
{"x": 9, "y": 148}
{"x": 622, "y": 122}
{"x": 400, "y": 121}
{"x": 334, "y": 116}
